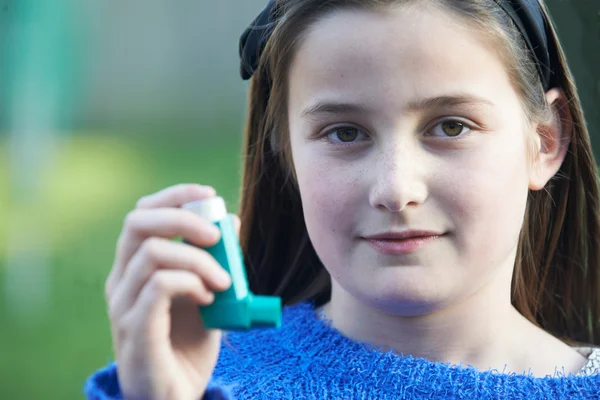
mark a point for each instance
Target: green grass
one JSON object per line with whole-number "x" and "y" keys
{"x": 47, "y": 349}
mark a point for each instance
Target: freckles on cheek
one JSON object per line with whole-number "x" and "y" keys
{"x": 327, "y": 194}
{"x": 318, "y": 195}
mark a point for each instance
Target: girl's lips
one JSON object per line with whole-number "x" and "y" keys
{"x": 401, "y": 246}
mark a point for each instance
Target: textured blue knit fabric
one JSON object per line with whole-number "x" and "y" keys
{"x": 104, "y": 385}
{"x": 307, "y": 359}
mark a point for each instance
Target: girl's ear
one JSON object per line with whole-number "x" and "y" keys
{"x": 552, "y": 140}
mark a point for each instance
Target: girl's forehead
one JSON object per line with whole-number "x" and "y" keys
{"x": 397, "y": 54}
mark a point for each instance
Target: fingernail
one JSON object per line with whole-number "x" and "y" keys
{"x": 215, "y": 233}
{"x": 209, "y": 297}
{"x": 223, "y": 278}
{"x": 208, "y": 190}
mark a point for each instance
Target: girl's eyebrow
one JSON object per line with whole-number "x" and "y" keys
{"x": 453, "y": 100}
{"x": 332, "y": 107}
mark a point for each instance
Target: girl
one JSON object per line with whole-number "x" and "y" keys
{"x": 420, "y": 190}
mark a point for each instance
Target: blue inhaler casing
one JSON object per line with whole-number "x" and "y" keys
{"x": 237, "y": 308}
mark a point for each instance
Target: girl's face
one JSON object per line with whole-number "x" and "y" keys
{"x": 406, "y": 121}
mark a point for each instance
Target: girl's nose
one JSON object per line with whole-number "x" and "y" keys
{"x": 399, "y": 181}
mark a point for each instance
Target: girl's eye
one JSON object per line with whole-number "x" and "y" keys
{"x": 450, "y": 128}
{"x": 345, "y": 134}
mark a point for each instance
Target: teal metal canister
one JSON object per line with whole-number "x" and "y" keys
{"x": 237, "y": 308}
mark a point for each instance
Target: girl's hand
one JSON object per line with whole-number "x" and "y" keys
{"x": 154, "y": 287}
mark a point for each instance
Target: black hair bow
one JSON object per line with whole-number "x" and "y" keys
{"x": 254, "y": 39}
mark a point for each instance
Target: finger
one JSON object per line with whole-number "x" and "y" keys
{"x": 167, "y": 223}
{"x": 173, "y": 196}
{"x": 156, "y": 297}
{"x": 157, "y": 254}
{"x": 176, "y": 196}
{"x": 236, "y": 224}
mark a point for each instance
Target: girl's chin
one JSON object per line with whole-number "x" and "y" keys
{"x": 407, "y": 299}
{"x": 407, "y": 307}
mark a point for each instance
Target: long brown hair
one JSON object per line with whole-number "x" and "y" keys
{"x": 556, "y": 279}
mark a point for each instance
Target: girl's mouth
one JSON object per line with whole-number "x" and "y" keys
{"x": 404, "y": 242}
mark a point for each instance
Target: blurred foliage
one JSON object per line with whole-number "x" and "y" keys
{"x": 96, "y": 181}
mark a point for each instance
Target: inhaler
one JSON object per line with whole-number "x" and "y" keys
{"x": 237, "y": 308}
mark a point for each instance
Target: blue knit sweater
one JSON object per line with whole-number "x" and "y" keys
{"x": 307, "y": 359}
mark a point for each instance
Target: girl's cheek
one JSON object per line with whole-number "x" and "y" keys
{"x": 329, "y": 195}
{"x": 491, "y": 198}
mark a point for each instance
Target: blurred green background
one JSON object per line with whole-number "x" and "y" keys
{"x": 117, "y": 100}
